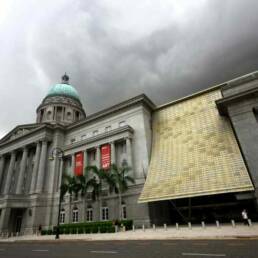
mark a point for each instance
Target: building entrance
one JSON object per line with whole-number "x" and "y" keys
{"x": 16, "y": 220}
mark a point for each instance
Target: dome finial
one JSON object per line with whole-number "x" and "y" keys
{"x": 65, "y": 79}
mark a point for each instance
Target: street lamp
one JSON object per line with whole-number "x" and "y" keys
{"x": 58, "y": 153}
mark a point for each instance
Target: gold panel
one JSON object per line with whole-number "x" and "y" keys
{"x": 194, "y": 152}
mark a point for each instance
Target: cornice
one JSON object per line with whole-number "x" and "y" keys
{"x": 222, "y": 104}
{"x": 116, "y": 131}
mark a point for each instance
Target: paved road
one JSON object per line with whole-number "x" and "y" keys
{"x": 132, "y": 249}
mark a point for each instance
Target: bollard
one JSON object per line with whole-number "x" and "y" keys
{"x": 203, "y": 224}
{"x": 116, "y": 228}
{"x": 154, "y": 227}
{"x": 143, "y": 227}
{"x": 217, "y": 223}
{"x": 233, "y": 223}
{"x": 133, "y": 228}
{"x": 123, "y": 228}
{"x": 249, "y": 222}
{"x": 189, "y": 225}
{"x": 165, "y": 226}
{"x": 177, "y": 226}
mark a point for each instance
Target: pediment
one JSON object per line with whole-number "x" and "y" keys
{"x": 19, "y": 131}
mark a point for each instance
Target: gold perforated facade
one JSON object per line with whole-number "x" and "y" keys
{"x": 194, "y": 152}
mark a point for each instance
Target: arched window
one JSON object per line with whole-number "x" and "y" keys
{"x": 69, "y": 115}
{"x": 104, "y": 211}
{"x": 123, "y": 211}
{"x": 89, "y": 213}
{"x": 75, "y": 217}
{"x": 49, "y": 115}
{"x": 62, "y": 216}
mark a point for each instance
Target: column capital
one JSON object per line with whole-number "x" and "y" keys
{"x": 25, "y": 148}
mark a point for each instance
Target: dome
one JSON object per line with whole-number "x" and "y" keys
{"x": 63, "y": 89}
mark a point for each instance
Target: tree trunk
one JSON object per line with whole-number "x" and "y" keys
{"x": 100, "y": 210}
{"x": 84, "y": 207}
{"x": 119, "y": 206}
{"x": 70, "y": 204}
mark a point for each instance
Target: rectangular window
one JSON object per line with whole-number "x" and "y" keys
{"x": 124, "y": 215}
{"x": 75, "y": 216}
{"x": 89, "y": 214}
{"x": 62, "y": 217}
{"x": 72, "y": 140}
{"x": 92, "y": 155}
{"x": 104, "y": 213}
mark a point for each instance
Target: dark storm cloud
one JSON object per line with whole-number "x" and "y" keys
{"x": 114, "y": 51}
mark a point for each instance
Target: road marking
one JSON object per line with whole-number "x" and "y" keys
{"x": 104, "y": 252}
{"x": 198, "y": 254}
{"x": 40, "y": 250}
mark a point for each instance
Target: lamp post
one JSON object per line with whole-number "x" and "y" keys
{"x": 58, "y": 153}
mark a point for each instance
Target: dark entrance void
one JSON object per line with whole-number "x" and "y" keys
{"x": 223, "y": 207}
{"x": 16, "y": 219}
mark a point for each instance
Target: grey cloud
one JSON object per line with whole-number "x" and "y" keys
{"x": 107, "y": 64}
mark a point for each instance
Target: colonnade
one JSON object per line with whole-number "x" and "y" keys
{"x": 38, "y": 172}
{"x": 129, "y": 155}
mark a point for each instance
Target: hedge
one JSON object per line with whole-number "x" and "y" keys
{"x": 89, "y": 227}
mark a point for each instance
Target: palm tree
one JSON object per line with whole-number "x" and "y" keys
{"x": 95, "y": 183}
{"x": 118, "y": 180}
{"x": 69, "y": 185}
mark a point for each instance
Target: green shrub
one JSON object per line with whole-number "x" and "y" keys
{"x": 89, "y": 227}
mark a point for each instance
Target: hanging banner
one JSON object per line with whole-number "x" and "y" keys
{"x": 78, "y": 169}
{"x": 105, "y": 156}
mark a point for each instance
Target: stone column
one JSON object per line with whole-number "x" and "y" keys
{"x": 35, "y": 168}
{"x": 129, "y": 152}
{"x": 129, "y": 155}
{"x": 42, "y": 167}
{"x": 84, "y": 161}
{"x": 9, "y": 173}
{"x": 98, "y": 157}
{"x": 113, "y": 153}
{"x": 73, "y": 165}
{"x": 2, "y": 160}
{"x": 22, "y": 171}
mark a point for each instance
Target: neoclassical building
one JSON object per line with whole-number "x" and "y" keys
{"x": 192, "y": 159}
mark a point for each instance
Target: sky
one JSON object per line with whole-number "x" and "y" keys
{"x": 116, "y": 49}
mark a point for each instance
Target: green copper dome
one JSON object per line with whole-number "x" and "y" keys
{"x": 64, "y": 90}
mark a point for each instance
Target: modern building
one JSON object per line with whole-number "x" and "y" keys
{"x": 192, "y": 159}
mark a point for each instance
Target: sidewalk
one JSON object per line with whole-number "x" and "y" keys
{"x": 196, "y": 232}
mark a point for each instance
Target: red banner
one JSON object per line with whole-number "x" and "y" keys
{"x": 105, "y": 156}
{"x": 78, "y": 169}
